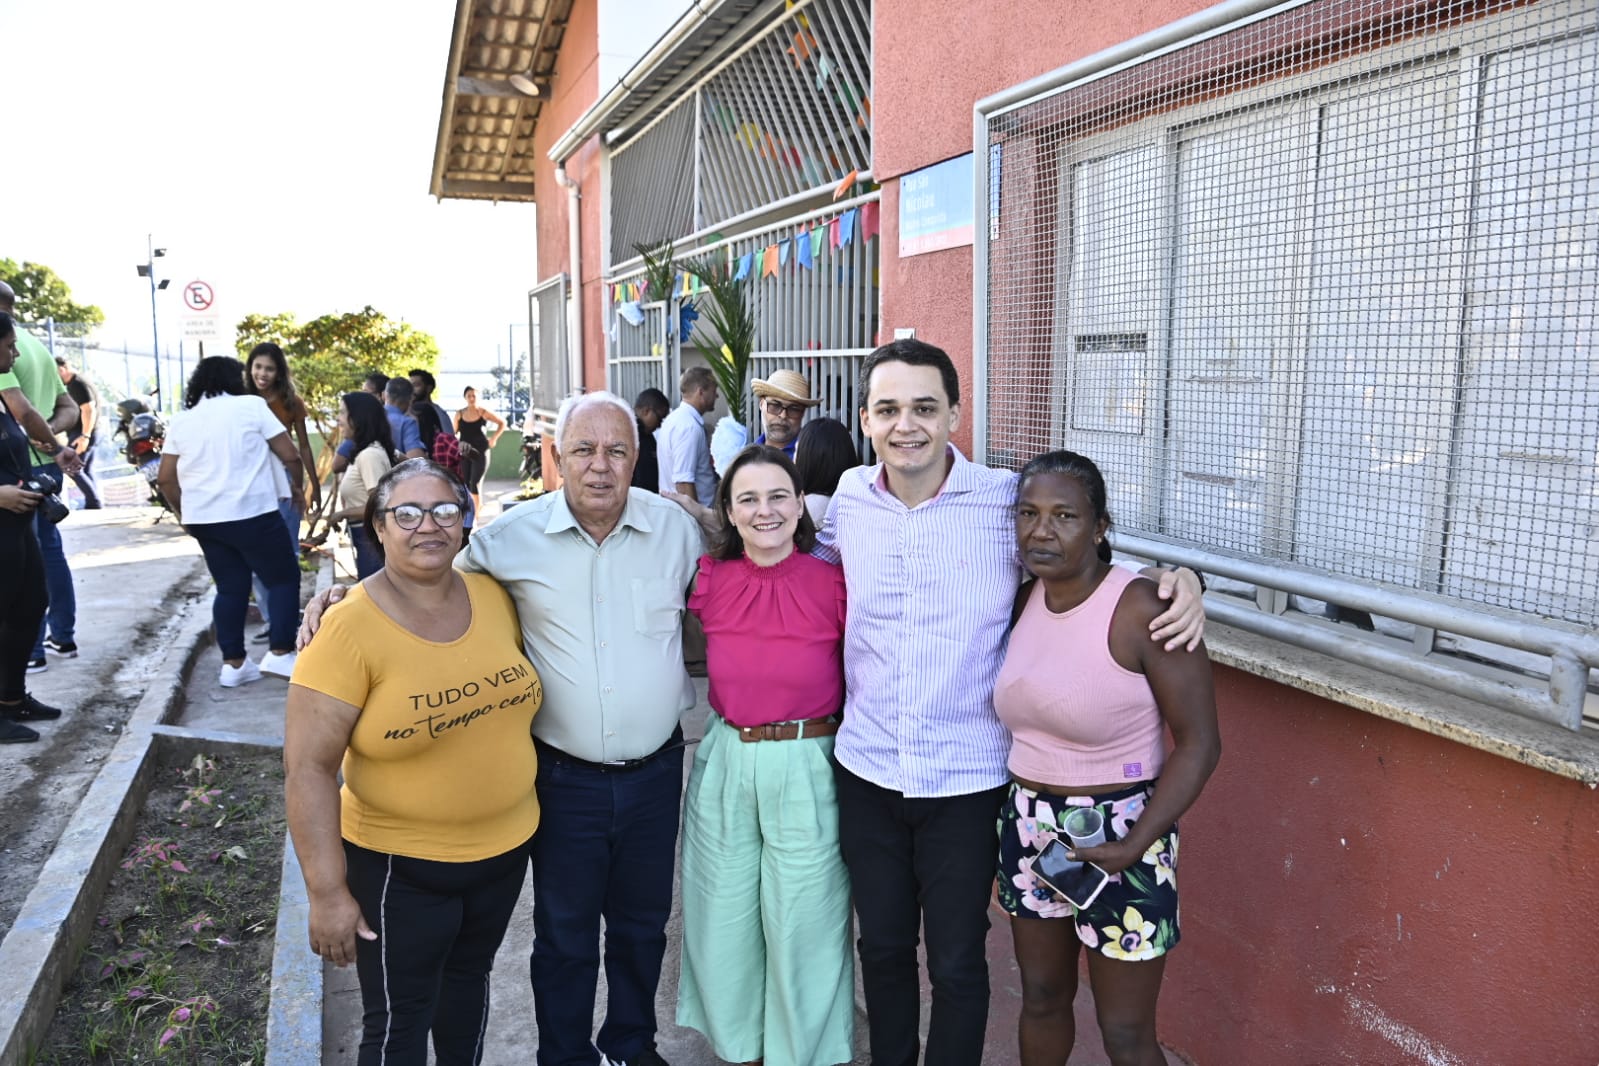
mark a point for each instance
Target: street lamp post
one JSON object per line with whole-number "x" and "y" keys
{"x": 147, "y": 270}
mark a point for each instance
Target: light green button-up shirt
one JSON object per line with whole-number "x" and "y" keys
{"x": 601, "y": 622}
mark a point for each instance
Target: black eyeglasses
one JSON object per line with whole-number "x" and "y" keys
{"x": 778, "y": 407}
{"x": 408, "y": 516}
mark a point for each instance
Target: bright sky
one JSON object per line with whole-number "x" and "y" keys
{"x": 281, "y": 152}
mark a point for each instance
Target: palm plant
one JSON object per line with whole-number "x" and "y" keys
{"x": 730, "y": 340}
{"x": 660, "y": 268}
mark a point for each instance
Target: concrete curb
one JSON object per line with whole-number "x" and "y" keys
{"x": 294, "y": 1016}
{"x": 41, "y": 950}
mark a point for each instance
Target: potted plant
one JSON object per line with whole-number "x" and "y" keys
{"x": 726, "y": 334}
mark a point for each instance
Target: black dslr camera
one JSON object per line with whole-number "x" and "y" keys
{"x": 51, "y": 506}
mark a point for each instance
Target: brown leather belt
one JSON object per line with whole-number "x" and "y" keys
{"x": 811, "y": 727}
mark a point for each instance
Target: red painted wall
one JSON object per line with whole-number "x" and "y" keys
{"x": 573, "y": 90}
{"x": 1357, "y": 891}
{"x": 1354, "y": 890}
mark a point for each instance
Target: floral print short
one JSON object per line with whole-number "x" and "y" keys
{"x": 1135, "y": 917}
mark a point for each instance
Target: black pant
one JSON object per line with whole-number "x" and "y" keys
{"x": 22, "y": 601}
{"x": 604, "y": 853}
{"x": 438, "y": 925}
{"x": 917, "y": 863}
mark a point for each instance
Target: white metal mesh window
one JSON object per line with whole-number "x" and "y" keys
{"x": 1321, "y": 288}
{"x": 551, "y": 369}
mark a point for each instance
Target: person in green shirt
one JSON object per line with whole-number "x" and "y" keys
{"x": 33, "y": 386}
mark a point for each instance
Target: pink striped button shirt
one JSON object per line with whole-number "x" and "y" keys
{"x": 930, "y": 595}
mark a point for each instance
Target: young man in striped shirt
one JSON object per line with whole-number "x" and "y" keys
{"x": 928, "y": 546}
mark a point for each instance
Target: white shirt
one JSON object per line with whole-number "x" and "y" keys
{"x": 225, "y": 466}
{"x": 684, "y": 454}
{"x": 930, "y": 595}
{"x": 601, "y": 622}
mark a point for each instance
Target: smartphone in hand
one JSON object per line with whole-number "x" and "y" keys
{"x": 1078, "y": 883}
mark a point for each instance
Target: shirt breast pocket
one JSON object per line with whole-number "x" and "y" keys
{"x": 657, "y": 607}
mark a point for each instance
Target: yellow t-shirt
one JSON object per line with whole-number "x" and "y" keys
{"x": 441, "y": 762}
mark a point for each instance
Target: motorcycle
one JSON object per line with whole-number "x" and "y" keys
{"x": 145, "y": 434}
{"x": 532, "y": 454}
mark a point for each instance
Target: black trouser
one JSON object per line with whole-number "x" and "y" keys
{"x": 438, "y": 925}
{"x": 22, "y": 601}
{"x": 916, "y": 863}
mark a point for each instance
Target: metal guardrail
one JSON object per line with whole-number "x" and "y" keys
{"x": 1572, "y": 651}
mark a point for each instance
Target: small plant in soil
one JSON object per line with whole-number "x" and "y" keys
{"x": 178, "y": 967}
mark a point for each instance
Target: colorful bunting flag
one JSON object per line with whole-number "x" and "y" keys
{"x": 846, "y": 228}
{"x": 870, "y": 220}
{"x": 782, "y": 253}
{"x": 818, "y": 235}
{"x": 744, "y": 263}
{"x": 769, "y": 261}
{"x": 803, "y": 251}
{"x": 844, "y": 186}
{"x": 832, "y": 233}
{"x": 824, "y": 71}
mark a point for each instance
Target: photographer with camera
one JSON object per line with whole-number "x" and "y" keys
{"x": 22, "y": 595}
{"x": 33, "y": 391}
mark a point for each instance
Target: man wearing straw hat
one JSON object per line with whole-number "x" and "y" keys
{"x": 784, "y": 397}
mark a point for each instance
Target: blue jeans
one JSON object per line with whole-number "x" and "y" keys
{"x": 85, "y": 477}
{"x": 235, "y": 550}
{"x": 61, "y": 620}
{"x": 291, "y": 521}
{"x": 605, "y": 848}
{"x": 367, "y": 559}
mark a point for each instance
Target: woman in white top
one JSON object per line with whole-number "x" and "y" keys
{"x": 217, "y": 472}
{"x": 825, "y": 450}
{"x": 363, "y": 421}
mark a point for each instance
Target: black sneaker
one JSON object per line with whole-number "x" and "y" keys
{"x": 64, "y": 648}
{"x": 14, "y": 733}
{"x": 262, "y": 637}
{"x": 37, "y": 666}
{"x": 30, "y": 710}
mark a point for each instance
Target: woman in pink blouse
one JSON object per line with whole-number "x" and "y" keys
{"x": 768, "y": 974}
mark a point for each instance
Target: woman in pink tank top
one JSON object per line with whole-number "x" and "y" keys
{"x": 1087, "y": 697}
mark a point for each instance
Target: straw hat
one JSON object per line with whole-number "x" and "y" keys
{"x": 787, "y": 385}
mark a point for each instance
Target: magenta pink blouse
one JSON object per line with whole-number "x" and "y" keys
{"x": 773, "y": 636}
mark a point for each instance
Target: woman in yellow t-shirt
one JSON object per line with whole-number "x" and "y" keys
{"x": 417, "y": 687}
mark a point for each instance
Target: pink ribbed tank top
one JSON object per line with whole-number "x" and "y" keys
{"x": 1076, "y": 716}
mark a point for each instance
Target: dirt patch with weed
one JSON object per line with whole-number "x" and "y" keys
{"x": 178, "y": 968}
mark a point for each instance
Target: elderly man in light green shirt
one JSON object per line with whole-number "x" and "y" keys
{"x": 600, "y": 574}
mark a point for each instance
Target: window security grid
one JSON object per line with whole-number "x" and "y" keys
{"x": 821, "y": 321}
{"x": 787, "y": 114}
{"x": 1318, "y": 292}
{"x": 551, "y": 367}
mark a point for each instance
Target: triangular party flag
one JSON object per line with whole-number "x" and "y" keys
{"x": 803, "y": 43}
{"x": 782, "y": 253}
{"x": 832, "y": 233}
{"x": 824, "y": 70}
{"x": 818, "y": 235}
{"x": 802, "y": 249}
{"x": 846, "y": 228}
{"x": 644, "y": 287}
{"x": 769, "y": 261}
{"x": 744, "y": 262}
{"x": 870, "y": 220}
{"x": 844, "y": 186}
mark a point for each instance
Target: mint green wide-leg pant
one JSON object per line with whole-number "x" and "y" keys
{"x": 768, "y": 968}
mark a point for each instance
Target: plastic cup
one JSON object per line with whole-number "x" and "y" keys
{"x": 1085, "y": 827}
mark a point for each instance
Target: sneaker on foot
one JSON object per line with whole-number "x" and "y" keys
{"x": 37, "y": 665}
{"x": 64, "y": 648}
{"x": 30, "y": 710}
{"x": 15, "y": 733}
{"x": 243, "y": 674}
{"x": 278, "y": 665}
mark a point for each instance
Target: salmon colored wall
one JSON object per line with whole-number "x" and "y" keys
{"x": 1354, "y": 890}
{"x": 573, "y": 90}
{"x": 1357, "y": 891}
